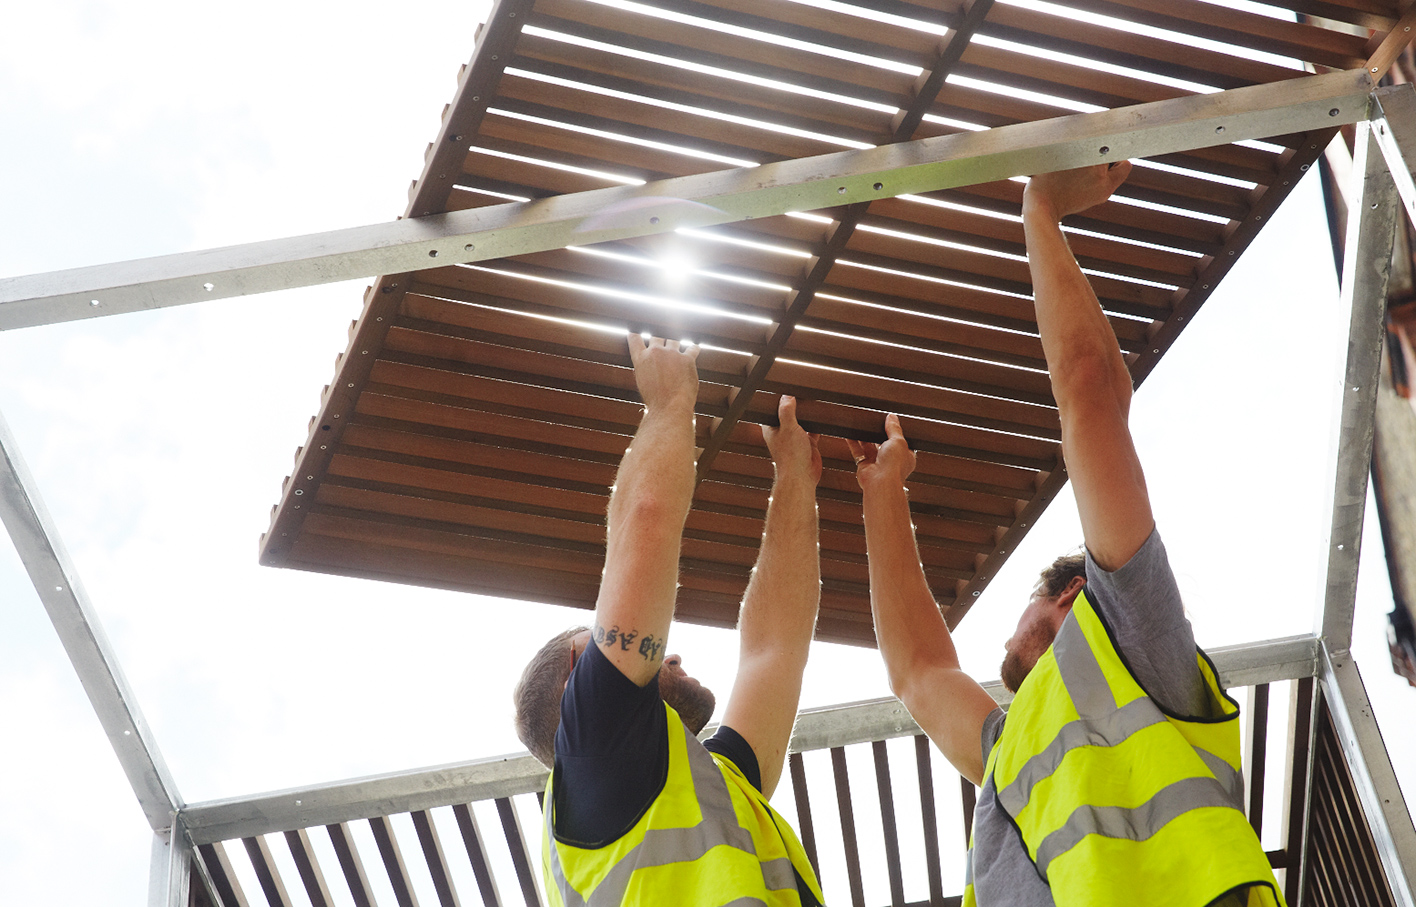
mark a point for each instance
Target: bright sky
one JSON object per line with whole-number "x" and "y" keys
{"x": 159, "y": 440}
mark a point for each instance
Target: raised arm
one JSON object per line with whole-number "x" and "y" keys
{"x": 779, "y": 608}
{"x": 1089, "y": 378}
{"x": 914, "y": 640}
{"x": 648, "y": 506}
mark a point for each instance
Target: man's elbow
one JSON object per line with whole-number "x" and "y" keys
{"x": 1092, "y": 378}
{"x": 651, "y": 511}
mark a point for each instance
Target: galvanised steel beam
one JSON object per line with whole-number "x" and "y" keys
{"x": 506, "y": 776}
{"x": 1371, "y": 227}
{"x": 1395, "y": 132}
{"x": 1372, "y": 773}
{"x": 170, "y": 876}
{"x": 825, "y": 181}
{"x": 58, "y": 586}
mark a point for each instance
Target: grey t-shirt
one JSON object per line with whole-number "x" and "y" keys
{"x": 1141, "y": 603}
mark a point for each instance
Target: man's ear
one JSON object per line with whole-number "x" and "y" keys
{"x": 1069, "y": 594}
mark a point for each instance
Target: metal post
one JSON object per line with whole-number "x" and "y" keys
{"x": 57, "y": 583}
{"x": 599, "y": 215}
{"x": 1372, "y": 773}
{"x": 170, "y": 879}
{"x": 1395, "y": 132}
{"x": 1366, "y": 269}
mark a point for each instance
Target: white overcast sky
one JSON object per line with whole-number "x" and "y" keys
{"x": 159, "y": 440}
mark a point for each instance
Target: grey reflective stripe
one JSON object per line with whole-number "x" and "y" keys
{"x": 1081, "y": 673}
{"x": 968, "y": 868}
{"x": 1102, "y": 730}
{"x": 1134, "y": 824}
{"x": 1232, "y": 780}
{"x": 779, "y": 874}
{"x": 571, "y": 897}
{"x": 661, "y": 846}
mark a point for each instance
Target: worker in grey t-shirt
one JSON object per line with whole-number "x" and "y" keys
{"x": 1124, "y": 570}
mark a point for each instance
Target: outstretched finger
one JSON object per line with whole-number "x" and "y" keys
{"x": 1117, "y": 173}
{"x": 893, "y": 430}
{"x": 856, "y": 448}
{"x": 692, "y": 350}
{"x": 636, "y": 344}
{"x": 786, "y": 412}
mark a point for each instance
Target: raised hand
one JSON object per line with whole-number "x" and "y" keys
{"x": 666, "y": 375}
{"x": 891, "y": 462}
{"x": 793, "y": 450}
{"x": 1071, "y": 191}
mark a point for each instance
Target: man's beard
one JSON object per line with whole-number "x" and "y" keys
{"x": 1023, "y": 656}
{"x": 693, "y": 701}
{"x": 1014, "y": 671}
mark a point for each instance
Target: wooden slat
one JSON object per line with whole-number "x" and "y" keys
{"x": 968, "y": 796}
{"x": 393, "y": 863}
{"x": 1255, "y": 759}
{"x": 887, "y": 822}
{"x": 433, "y": 854}
{"x": 1239, "y": 27}
{"x": 806, "y": 831}
{"x": 930, "y": 818}
{"x": 1296, "y": 806}
{"x": 848, "y": 825}
{"x": 266, "y": 873}
{"x": 1141, "y": 52}
{"x": 520, "y": 857}
{"x": 303, "y": 853}
{"x": 476, "y": 852}
{"x": 351, "y": 864}
{"x": 695, "y": 89}
{"x": 228, "y": 887}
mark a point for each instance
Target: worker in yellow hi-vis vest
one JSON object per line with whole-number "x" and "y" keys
{"x": 637, "y": 810}
{"x": 1114, "y": 777}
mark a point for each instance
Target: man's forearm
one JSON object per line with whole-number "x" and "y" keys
{"x": 784, "y": 592}
{"x": 908, "y": 626}
{"x": 1077, "y": 339}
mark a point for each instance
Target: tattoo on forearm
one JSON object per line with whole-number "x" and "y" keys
{"x": 649, "y": 647}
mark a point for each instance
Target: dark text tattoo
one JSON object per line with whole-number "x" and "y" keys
{"x": 615, "y": 636}
{"x": 649, "y": 647}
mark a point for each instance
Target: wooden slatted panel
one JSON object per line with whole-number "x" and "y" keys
{"x": 1342, "y": 865}
{"x": 472, "y": 431}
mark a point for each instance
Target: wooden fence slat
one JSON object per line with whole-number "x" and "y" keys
{"x": 848, "y": 825}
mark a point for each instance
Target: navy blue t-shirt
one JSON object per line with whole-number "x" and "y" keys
{"x": 612, "y": 752}
{"x": 612, "y": 755}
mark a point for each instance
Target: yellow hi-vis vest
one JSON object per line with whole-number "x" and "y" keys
{"x": 1116, "y": 801}
{"x": 709, "y": 839}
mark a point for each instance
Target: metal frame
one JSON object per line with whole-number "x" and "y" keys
{"x": 508, "y": 776}
{"x": 819, "y": 182}
{"x": 1380, "y": 167}
{"x": 824, "y": 181}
